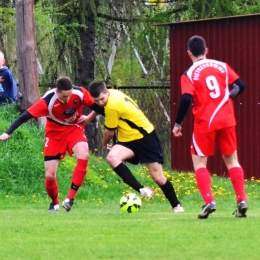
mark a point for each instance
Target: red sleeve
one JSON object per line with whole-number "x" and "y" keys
{"x": 186, "y": 85}
{"x": 39, "y": 109}
{"x": 232, "y": 75}
{"x": 88, "y": 99}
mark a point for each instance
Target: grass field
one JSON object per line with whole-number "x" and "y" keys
{"x": 96, "y": 228}
{"x": 100, "y": 231}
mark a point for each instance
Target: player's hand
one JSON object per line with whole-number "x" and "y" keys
{"x": 177, "y": 131}
{"x": 107, "y": 147}
{"x": 84, "y": 120}
{"x": 4, "y": 136}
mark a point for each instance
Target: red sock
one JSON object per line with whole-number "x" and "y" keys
{"x": 78, "y": 177}
{"x": 51, "y": 187}
{"x": 204, "y": 184}
{"x": 237, "y": 178}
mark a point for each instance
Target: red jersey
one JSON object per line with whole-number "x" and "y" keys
{"x": 208, "y": 82}
{"x": 59, "y": 113}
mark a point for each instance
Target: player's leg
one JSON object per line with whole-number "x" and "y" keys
{"x": 81, "y": 152}
{"x": 51, "y": 184}
{"x": 227, "y": 144}
{"x": 236, "y": 175}
{"x": 202, "y": 146}
{"x": 115, "y": 158}
{"x": 149, "y": 151}
{"x": 156, "y": 172}
{"x": 203, "y": 178}
{"x": 54, "y": 150}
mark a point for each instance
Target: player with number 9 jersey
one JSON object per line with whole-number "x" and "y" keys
{"x": 211, "y": 85}
{"x": 208, "y": 82}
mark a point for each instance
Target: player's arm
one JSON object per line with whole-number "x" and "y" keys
{"x": 107, "y": 137}
{"x": 183, "y": 108}
{"x": 237, "y": 88}
{"x": 89, "y": 102}
{"x": 25, "y": 116}
{"x": 98, "y": 109}
{"x": 182, "y": 111}
{"x": 87, "y": 119}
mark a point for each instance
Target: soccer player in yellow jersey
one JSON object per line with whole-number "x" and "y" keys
{"x": 137, "y": 141}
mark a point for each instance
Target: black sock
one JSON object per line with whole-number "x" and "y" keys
{"x": 170, "y": 194}
{"x": 74, "y": 187}
{"x": 128, "y": 178}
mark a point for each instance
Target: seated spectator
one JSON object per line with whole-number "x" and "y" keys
{"x": 8, "y": 86}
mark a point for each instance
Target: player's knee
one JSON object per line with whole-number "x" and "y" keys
{"x": 83, "y": 157}
{"x": 159, "y": 179}
{"x": 112, "y": 160}
{"x": 50, "y": 175}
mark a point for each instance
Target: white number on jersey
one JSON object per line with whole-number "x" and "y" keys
{"x": 47, "y": 141}
{"x": 213, "y": 85}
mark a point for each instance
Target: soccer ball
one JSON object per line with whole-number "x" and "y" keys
{"x": 130, "y": 203}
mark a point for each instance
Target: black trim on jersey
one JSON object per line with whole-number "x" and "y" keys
{"x": 111, "y": 129}
{"x": 183, "y": 107}
{"x": 25, "y": 116}
{"x": 185, "y": 72}
{"x": 52, "y": 157}
{"x": 134, "y": 126}
{"x": 95, "y": 107}
{"x": 78, "y": 88}
{"x": 98, "y": 109}
{"x": 48, "y": 98}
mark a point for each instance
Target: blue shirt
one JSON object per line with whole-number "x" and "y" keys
{"x": 8, "y": 86}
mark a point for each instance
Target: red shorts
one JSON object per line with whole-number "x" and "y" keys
{"x": 203, "y": 143}
{"x": 61, "y": 140}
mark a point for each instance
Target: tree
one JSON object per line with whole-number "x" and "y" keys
{"x": 81, "y": 15}
{"x": 27, "y": 62}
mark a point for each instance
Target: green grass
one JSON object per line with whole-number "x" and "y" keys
{"x": 96, "y": 228}
{"x": 100, "y": 231}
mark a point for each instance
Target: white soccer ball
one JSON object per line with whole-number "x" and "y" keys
{"x": 130, "y": 203}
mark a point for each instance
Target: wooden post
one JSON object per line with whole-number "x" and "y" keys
{"x": 26, "y": 53}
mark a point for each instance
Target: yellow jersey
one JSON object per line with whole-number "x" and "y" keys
{"x": 123, "y": 114}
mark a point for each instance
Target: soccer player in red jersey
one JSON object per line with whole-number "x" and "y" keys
{"x": 207, "y": 84}
{"x": 62, "y": 107}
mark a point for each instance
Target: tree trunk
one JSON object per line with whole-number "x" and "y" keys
{"x": 85, "y": 69}
{"x": 27, "y": 62}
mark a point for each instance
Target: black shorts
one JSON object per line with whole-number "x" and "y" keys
{"x": 146, "y": 149}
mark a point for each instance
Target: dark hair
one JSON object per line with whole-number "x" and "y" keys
{"x": 196, "y": 45}
{"x": 64, "y": 83}
{"x": 95, "y": 88}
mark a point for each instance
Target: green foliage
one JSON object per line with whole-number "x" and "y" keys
{"x": 128, "y": 72}
{"x": 22, "y": 168}
{"x": 7, "y": 35}
{"x": 60, "y": 23}
{"x": 58, "y": 37}
{"x": 6, "y": 19}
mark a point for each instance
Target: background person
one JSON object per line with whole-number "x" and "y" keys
{"x": 62, "y": 107}
{"x": 206, "y": 83}
{"x": 8, "y": 86}
{"x": 137, "y": 141}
